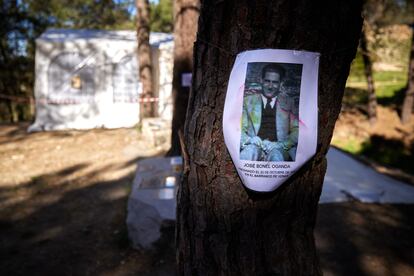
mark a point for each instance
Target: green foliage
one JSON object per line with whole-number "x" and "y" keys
{"x": 389, "y": 88}
{"x": 388, "y": 12}
{"x": 390, "y": 69}
{"x": 162, "y": 16}
{"x": 350, "y": 145}
{"x": 389, "y": 152}
{"x": 390, "y": 79}
{"x": 387, "y": 85}
{"x": 385, "y": 151}
{"x": 91, "y": 14}
{"x": 355, "y": 97}
{"x": 356, "y": 73}
{"x": 390, "y": 76}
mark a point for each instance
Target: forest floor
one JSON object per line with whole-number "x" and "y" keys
{"x": 63, "y": 199}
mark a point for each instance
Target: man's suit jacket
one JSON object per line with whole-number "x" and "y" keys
{"x": 287, "y": 126}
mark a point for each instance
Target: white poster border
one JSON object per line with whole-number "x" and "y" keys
{"x": 265, "y": 176}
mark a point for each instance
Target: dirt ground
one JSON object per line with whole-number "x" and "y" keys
{"x": 63, "y": 202}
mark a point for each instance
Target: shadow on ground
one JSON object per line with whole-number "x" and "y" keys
{"x": 71, "y": 221}
{"x": 59, "y": 230}
{"x": 82, "y": 232}
{"x": 365, "y": 239}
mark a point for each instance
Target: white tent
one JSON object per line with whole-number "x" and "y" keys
{"x": 89, "y": 78}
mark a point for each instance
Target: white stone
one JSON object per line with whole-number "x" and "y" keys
{"x": 347, "y": 179}
{"x": 152, "y": 201}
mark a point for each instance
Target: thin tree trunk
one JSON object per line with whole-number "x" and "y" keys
{"x": 223, "y": 229}
{"x": 32, "y": 107}
{"x": 147, "y": 108}
{"x": 366, "y": 57}
{"x": 407, "y": 107}
{"x": 186, "y": 14}
{"x": 14, "y": 116}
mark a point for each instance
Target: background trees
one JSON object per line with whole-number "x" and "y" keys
{"x": 223, "y": 229}
{"x": 379, "y": 14}
{"x": 389, "y": 143}
{"x": 147, "y": 109}
{"x": 161, "y": 16}
{"x": 186, "y": 14}
{"x": 407, "y": 107}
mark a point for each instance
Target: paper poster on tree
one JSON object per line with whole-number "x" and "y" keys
{"x": 270, "y": 117}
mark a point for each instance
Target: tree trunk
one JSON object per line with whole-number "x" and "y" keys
{"x": 186, "y": 14}
{"x": 407, "y": 107}
{"x": 222, "y": 228}
{"x": 147, "y": 107}
{"x": 32, "y": 107}
{"x": 366, "y": 57}
{"x": 14, "y": 116}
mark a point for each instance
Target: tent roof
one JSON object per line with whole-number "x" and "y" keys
{"x": 62, "y": 35}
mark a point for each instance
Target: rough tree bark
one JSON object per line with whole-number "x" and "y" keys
{"x": 223, "y": 229}
{"x": 147, "y": 108}
{"x": 366, "y": 57}
{"x": 186, "y": 14}
{"x": 407, "y": 107}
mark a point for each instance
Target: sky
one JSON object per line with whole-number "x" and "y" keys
{"x": 132, "y": 8}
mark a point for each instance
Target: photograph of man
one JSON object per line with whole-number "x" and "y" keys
{"x": 270, "y": 125}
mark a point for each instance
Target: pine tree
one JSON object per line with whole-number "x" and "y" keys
{"x": 186, "y": 14}
{"x": 223, "y": 229}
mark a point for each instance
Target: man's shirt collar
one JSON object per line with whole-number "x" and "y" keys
{"x": 272, "y": 103}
